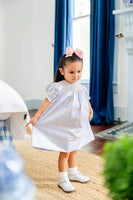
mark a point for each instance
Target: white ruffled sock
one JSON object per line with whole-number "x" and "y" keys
{"x": 63, "y": 175}
{"x": 73, "y": 170}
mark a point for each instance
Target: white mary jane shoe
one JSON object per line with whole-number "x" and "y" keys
{"x": 66, "y": 185}
{"x": 78, "y": 177}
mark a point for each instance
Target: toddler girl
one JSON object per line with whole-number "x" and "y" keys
{"x": 61, "y": 123}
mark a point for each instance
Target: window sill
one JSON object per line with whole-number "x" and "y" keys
{"x": 86, "y": 83}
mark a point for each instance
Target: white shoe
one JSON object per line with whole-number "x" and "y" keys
{"x": 66, "y": 185}
{"x": 78, "y": 177}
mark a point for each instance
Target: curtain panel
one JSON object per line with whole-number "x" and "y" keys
{"x": 102, "y": 31}
{"x": 63, "y": 28}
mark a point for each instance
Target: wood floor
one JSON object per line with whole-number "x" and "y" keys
{"x": 96, "y": 146}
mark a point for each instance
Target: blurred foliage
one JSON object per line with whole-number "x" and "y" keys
{"x": 118, "y": 168}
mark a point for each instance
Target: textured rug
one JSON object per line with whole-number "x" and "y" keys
{"x": 42, "y": 167}
{"x": 118, "y": 131}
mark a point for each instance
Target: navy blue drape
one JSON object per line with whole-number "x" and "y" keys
{"x": 63, "y": 28}
{"x": 101, "y": 61}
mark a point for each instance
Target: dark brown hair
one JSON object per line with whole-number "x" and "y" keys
{"x": 62, "y": 62}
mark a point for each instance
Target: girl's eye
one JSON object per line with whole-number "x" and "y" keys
{"x": 71, "y": 72}
{"x": 79, "y": 71}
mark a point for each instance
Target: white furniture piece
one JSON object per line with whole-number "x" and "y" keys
{"x": 13, "y": 110}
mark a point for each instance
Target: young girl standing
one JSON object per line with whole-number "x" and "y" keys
{"x": 61, "y": 123}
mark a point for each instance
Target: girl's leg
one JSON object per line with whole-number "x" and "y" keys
{"x": 62, "y": 161}
{"x": 72, "y": 161}
{"x": 64, "y": 182}
{"x": 74, "y": 174}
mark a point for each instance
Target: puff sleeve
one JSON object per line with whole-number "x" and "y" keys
{"x": 86, "y": 92}
{"x": 53, "y": 92}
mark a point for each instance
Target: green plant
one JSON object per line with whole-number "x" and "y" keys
{"x": 118, "y": 168}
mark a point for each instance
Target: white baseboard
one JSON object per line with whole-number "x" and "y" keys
{"x": 120, "y": 113}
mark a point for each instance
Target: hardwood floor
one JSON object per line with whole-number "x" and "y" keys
{"x": 96, "y": 146}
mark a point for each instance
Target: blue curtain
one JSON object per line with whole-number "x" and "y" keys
{"x": 63, "y": 28}
{"x": 101, "y": 60}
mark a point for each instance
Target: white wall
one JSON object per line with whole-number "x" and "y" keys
{"x": 121, "y": 65}
{"x": 26, "y": 53}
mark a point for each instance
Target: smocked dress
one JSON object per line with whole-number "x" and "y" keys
{"x": 64, "y": 125}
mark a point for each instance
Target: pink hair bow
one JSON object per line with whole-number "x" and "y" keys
{"x": 78, "y": 52}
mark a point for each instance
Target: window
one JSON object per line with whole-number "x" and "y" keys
{"x": 81, "y": 33}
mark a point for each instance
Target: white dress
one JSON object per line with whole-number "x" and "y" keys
{"x": 64, "y": 125}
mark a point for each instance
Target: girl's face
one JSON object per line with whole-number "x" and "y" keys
{"x": 72, "y": 71}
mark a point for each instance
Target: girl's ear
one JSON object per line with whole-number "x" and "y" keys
{"x": 61, "y": 71}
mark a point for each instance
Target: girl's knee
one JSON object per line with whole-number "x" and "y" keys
{"x": 64, "y": 154}
{"x": 73, "y": 152}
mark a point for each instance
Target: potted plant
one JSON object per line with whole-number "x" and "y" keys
{"x": 118, "y": 168}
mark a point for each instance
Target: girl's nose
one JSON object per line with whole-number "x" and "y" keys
{"x": 76, "y": 74}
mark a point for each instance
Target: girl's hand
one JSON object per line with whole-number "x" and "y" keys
{"x": 28, "y": 130}
{"x": 32, "y": 121}
{"x": 91, "y": 112}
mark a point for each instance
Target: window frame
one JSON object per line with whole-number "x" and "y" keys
{"x": 84, "y": 81}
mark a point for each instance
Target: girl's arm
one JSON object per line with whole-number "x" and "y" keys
{"x": 91, "y": 111}
{"x": 42, "y": 108}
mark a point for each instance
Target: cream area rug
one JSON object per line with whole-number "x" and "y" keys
{"x": 42, "y": 167}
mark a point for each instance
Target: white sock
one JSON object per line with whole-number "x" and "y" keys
{"x": 63, "y": 175}
{"x": 73, "y": 170}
